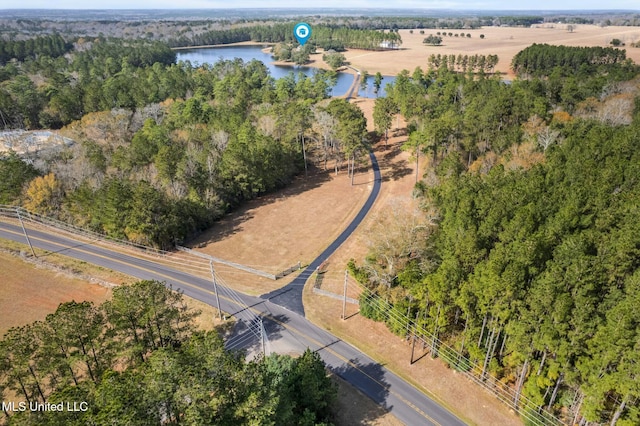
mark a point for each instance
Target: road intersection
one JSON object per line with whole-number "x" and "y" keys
{"x": 281, "y": 310}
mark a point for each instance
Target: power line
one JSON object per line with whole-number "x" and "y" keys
{"x": 530, "y": 411}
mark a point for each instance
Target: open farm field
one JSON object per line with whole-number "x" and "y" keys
{"x": 505, "y": 42}
{"x": 30, "y": 293}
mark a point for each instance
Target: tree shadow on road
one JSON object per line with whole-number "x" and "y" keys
{"x": 365, "y": 402}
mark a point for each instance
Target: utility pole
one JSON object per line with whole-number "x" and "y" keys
{"x": 215, "y": 288}
{"x": 344, "y": 299}
{"x": 408, "y": 312}
{"x": 413, "y": 345}
{"x": 25, "y": 232}
{"x": 262, "y": 333}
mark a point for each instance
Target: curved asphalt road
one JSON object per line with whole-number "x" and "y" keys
{"x": 283, "y": 314}
{"x": 290, "y": 296}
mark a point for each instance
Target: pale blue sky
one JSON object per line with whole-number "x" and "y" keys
{"x": 429, "y": 4}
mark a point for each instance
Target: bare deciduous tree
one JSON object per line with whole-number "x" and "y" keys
{"x": 153, "y": 111}
{"x": 537, "y": 130}
{"x": 398, "y": 236}
{"x": 547, "y": 137}
{"x": 617, "y": 110}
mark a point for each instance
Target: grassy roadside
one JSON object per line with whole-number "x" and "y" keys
{"x": 33, "y": 288}
{"x": 250, "y": 284}
{"x": 454, "y": 391}
{"x": 65, "y": 265}
{"x": 327, "y": 319}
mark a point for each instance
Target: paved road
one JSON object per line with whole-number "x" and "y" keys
{"x": 408, "y": 404}
{"x": 290, "y": 296}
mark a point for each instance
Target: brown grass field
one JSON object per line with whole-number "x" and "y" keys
{"x": 505, "y": 42}
{"x": 56, "y": 279}
{"x": 276, "y": 231}
{"x": 29, "y": 293}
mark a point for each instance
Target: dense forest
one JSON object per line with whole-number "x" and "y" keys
{"x": 525, "y": 258}
{"x": 164, "y": 149}
{"x": 543, "y": 59}
{"x": 137, "y": 359}
{"x": 52, "y": 46}
{"x": 50, "y": 92}
{"x": 324, "y": 36}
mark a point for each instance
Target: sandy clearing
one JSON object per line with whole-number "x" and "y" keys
{"x": 276, "y": 231}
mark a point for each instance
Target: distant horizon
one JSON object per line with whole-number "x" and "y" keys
{"x": 540, "y": 6}
{"x": 311, "y": 8}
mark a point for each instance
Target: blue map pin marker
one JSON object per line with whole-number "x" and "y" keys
{"x": 302, "y": 32}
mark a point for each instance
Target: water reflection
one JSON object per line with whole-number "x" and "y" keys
{"x": 370, "y": 92}
{"x": 211, "y": 55}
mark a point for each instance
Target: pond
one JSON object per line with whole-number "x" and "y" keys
{"x": 369, "y": 92}
{"x": 211, "y": 55}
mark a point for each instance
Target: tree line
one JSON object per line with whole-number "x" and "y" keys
{"x": 464, "y": 63}
{"x": 525, "y": 257}
{"x": 137, "y": 359}
{"x": 100, "y": 75}
{"x": 542, "y": 59}
{"x": 450, "y": 34}
{"x": 324, "y": 36}
{"x": 20, "y": 50}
